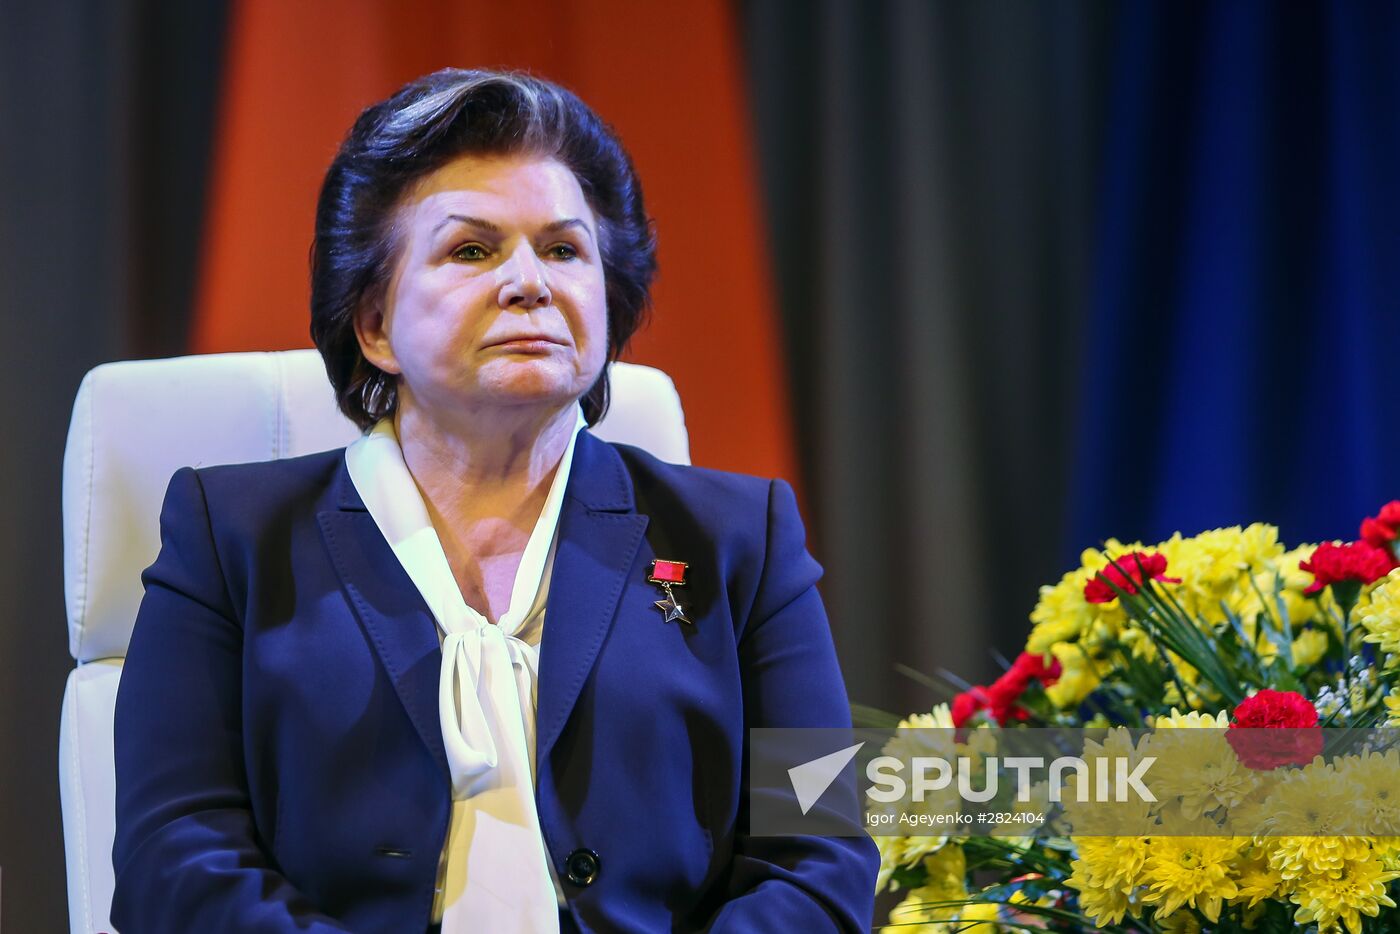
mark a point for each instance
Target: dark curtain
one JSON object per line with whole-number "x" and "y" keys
{"x": 106, "y": 110}
{"x": 1049, "y": 272}
{"x": 1246, "y": 295}
{"x": 1055, "y": 272}
{"x": 930, "y": 173}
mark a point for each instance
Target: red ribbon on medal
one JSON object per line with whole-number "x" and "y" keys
{"x": 668, "y": 574}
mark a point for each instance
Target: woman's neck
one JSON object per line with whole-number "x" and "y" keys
{"x": 495, "y": 465}
{"x": 484, "y": 481}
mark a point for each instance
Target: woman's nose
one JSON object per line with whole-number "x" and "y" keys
{"x": 524, "y": 286}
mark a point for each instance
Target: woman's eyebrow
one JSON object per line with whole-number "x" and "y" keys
{"x": 477, "y": 222}
{"x": 567, "y": 223}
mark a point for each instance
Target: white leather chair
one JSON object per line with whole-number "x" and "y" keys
{"x": 134, "y": 424}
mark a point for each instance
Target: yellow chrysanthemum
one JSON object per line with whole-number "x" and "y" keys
{"x": 1378, "y": 612}
{"x": 1106, "y": 872}
{"x": 1392, "y": 708}
{"x": 1174, "y": 823}
{"x": 1037, "y": 809}
{"x": 1196, "y": 766}
{"x": 1139, "y": 644}
{"x": 1299, "y": 858}
{"x": 1192, "y": 720}
{"x": 940, "y": 718}
{"x": 1079, "y": 675}
{"x": 1291, "y": 581}
{"x": 925, "y": 909}
{"x": 930, "y": 734}
{"x": 891, "y": 850}
{"x": 1341, "y": 897}
{"x": 947, "y": 870}
{"x": 1093, "y": 816}
{"x": 1216, "y": 567}
{"x": 1195, "y": 871}
{"x": 1062, "y": 614}
{"x": 1183, "y": 922}
{"x": 1288, "y": 567}
{"x": 1255, "y": 546}
{"x": 915, "y": 916}
{"x": 1187, "y": 673}
{"x": 1252, "y": 816}
{"x": 1256, "y": 880}
{"x": 1320, "y": 805}
{"x": 1276, "y": 579}
{"x": 923, "y": 734}
{"x": 1309, "y": 648}
{"x": 1198, "y": 693}
{"x": 981, "y": 917}
{"x": 1389, "y": 855}
{"x": 1255, "y": 607}
{"x": 900, "y": 852}
{"x": 981, "y": 743}
{"x": 1019, "y": 897}
{"x": 1376, "y": 777}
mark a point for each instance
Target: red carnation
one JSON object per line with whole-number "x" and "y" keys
{"x": 999, "y": 700}
{"x": 1382, "y": 529}
{"x": 967, "y": 704}
{"x": 1356, "y": 561}
{"x": 1275, "y": 728}
{"x": 1002, "y": 697}
{"x": 1376, "y": 533}
{"x": 1127, "y": 572}
{"x": 1032, "y": 667}
{"x": 1270, "y": 709}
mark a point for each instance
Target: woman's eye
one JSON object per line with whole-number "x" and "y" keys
{"x": 470, "y": 252}
{"x": 563, "y": 251}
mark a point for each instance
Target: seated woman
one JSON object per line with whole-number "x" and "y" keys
{"x": 479, "y": 670}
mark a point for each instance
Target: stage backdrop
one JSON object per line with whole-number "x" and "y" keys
{"x": 1058, "y": 272}
{"x": 668, "y": 77}
{"x": 1045, "y": 273}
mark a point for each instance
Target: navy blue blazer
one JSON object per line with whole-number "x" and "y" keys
{"x": 279, "y": 759}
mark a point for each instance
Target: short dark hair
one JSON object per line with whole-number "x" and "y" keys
{"x": 422, "y": 126}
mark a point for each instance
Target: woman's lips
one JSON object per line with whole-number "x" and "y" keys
{"x": 534, "y": 344}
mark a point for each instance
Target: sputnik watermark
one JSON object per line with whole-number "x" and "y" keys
{"x": 934, "y": 774}
{"x": 810, "y": 780}
{"x": 1075, "y": 782}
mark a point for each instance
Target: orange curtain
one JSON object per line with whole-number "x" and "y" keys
{"x": 667, "y": 76}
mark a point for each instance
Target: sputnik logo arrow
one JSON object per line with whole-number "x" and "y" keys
{"x": 810, "y": 780}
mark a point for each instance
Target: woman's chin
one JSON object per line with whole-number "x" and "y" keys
{"x": 530, "y": 381}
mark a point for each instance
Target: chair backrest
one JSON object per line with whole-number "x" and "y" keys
{"x": 134, "y": 424}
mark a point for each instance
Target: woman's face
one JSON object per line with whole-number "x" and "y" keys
{"x": 497, "y": 297}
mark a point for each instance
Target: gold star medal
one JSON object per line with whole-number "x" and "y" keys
{"x": 668, "y": 574}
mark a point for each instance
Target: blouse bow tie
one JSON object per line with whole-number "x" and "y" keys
{"x": 479, "y": 694}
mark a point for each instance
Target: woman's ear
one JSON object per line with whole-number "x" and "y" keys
{"x": 371, "y": 330}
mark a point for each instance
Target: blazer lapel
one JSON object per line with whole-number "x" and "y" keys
{"x": 398, "y": 622}
{"x": 599, "y": 534}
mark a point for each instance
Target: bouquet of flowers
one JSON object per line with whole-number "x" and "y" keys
{"x": 1227, "y": 630}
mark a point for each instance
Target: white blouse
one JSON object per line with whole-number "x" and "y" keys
{"x": 495, "y": 872}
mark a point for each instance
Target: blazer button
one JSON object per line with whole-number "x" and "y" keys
{"x": 581, "y": 868}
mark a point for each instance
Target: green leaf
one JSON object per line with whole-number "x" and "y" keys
{"x": 1281, "y": 633}
{"x": 938, "y": 687}
{"x": 873, "y": 718}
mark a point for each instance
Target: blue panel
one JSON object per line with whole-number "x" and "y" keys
{"x": 1245, "y": 314}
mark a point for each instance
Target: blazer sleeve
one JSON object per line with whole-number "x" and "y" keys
{"x": 792, "y": 679}
{"x": 186, "y": 853}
